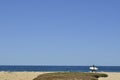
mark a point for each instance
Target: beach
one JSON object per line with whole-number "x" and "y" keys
{"x": 19, "y": 75}
{"x": 111, "y": 76}
{"x": 32, "y": 75}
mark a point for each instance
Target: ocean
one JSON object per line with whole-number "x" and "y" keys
{"x": 59, "y": 68}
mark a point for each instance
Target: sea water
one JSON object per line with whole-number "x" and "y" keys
{"x": 59, "y": 68}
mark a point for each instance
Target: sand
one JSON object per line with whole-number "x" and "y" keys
{"x": 32, "y": 75}
{"x": 111, "y": 76}
{"x": 19, "y": 75}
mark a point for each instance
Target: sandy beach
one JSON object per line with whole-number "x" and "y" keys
{"x": 111, "y": 76}
{"x": 32, "y": 75}
{"x": 19, "y": 75}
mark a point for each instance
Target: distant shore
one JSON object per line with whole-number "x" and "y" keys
{"x": 32, "y": 75}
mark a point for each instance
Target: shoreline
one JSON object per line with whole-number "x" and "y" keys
{"x": 25, "y": 75}
{"x": 62, "y": 71}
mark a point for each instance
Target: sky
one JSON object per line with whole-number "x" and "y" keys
{"x": 60, "y": 32}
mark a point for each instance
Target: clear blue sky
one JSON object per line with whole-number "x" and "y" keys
{"x": 59, "y": 32}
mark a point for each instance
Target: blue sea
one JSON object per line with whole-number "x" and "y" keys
{"x": 59, "y": 68}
